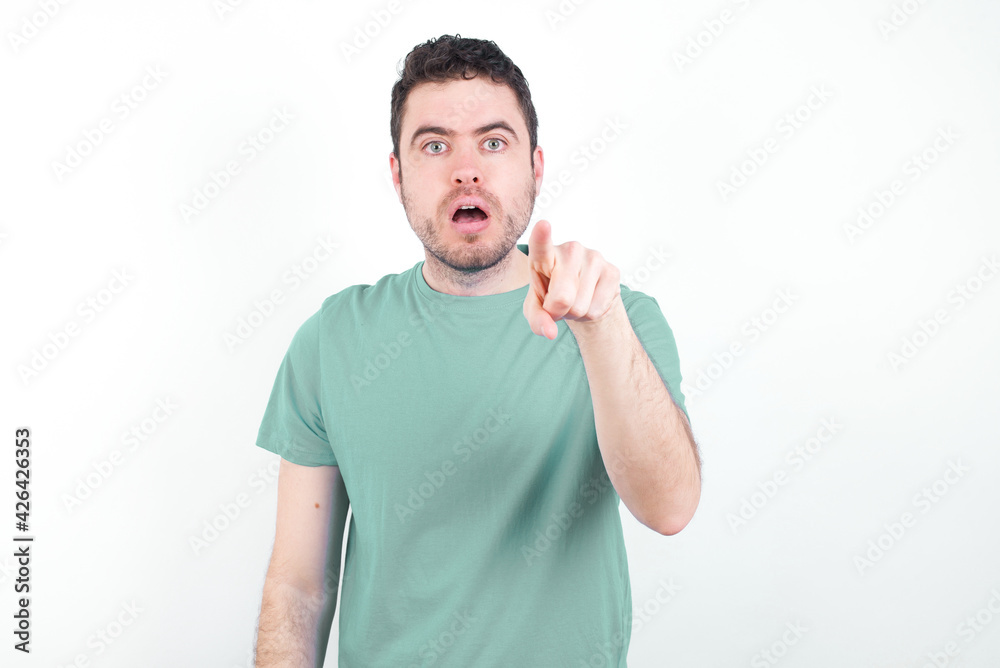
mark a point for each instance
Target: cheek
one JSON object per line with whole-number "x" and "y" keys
{"x": 431, "y": 175}
{"x": 418, "y": 179}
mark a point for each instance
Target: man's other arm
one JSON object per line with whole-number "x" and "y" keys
{"x": 300, "y": 589}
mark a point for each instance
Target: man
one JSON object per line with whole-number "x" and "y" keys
{"x": 483, "y": 413}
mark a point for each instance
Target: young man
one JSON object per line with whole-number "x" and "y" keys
{"x": 483, "y": 413}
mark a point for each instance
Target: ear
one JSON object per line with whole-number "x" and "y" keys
{"x": 394, "y": 168}
{"x": 539, "y": 168}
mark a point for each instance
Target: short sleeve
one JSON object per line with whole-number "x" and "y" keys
{"x": 293, "y": 425}
{"x": 657, "y": 339}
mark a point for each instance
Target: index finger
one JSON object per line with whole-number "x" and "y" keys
{"x": 541, "y": 253}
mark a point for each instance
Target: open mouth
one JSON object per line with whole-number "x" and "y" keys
{"x": 469, "y": 214}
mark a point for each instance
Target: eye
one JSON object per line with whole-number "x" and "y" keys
{"x": 435, "y": 143}
{"x": 495, "y": 144}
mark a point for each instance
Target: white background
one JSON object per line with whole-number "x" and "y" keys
{"x": 894, "y": 74}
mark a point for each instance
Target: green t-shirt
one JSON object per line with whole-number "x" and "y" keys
{"x": 485, "y": 531}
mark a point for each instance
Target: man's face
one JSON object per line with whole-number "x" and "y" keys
{"x": 466, "y": 141}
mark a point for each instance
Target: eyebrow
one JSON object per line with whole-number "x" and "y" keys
{"x": 438, "y": 130}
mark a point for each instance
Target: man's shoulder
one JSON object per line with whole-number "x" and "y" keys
{"x": 368, "y": 295}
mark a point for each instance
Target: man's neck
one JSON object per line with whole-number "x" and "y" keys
{"x": 509, "y": 274}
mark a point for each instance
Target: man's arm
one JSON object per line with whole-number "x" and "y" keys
{"x": 300, "y": 590}
{"x": 645, "y": 440}
{"x": 644, "y": 437}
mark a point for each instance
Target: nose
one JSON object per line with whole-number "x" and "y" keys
{"x": 467, "y": 170}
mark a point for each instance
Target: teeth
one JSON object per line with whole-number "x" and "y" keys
{"x": 470, "y": 206}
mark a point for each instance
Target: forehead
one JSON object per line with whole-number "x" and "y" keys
{"x": 460, "y": 104}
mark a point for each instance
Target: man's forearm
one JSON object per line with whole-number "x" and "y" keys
{"x": 294, "y": 626}
{"x": 645, "y": 439}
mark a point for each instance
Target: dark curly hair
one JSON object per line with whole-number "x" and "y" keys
{"x": 455, "y": 57}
